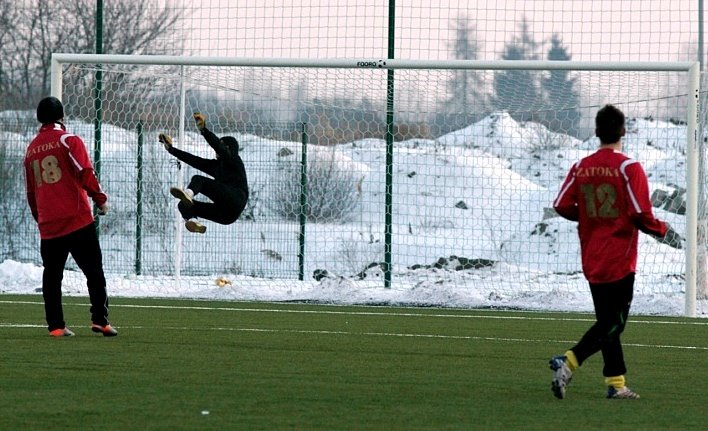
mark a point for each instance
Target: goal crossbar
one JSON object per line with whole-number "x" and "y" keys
{"x": 653, "y": 66}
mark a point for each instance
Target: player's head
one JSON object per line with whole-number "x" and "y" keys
{"x": 609, "y": 124}
{"x": 50, "y": 110}
{"x": 231, "y": 145}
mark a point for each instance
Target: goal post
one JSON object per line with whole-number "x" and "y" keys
{"x": 690, "y": 93}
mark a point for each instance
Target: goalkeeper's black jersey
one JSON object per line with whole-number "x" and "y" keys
{"x": 227, "y": 168}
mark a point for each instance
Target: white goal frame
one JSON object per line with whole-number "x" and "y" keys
{"x": 693, "y": 90}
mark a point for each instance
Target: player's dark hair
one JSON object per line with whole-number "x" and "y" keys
{"x": 609, "y": 124}
{"x": 50, "y": 110}
{"x": 231, "y": 145}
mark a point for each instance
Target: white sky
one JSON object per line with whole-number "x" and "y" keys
{"x": 591, "y": 30}
{"x": 647, "y": 30}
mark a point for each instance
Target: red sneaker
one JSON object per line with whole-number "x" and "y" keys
{"x": 107, "y": 330}
{"x": 61, "y": 332}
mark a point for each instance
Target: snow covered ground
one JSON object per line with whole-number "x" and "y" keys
{"x": 478, "y": 193}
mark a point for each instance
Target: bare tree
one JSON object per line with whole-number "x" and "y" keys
{"x": 36, "y": 29}
{"x": 8, "y": 20}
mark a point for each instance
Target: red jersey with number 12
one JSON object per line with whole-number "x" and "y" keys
{"x": 60, "y": 179}
{"x": 607, "y": 193}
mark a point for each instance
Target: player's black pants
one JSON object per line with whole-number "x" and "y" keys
{"x": 84, "y": 248}
{"x": 612, "y": 302}
{"x": 226, "y": 206}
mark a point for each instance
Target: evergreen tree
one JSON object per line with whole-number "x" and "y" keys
{"x": 516, "y": 91}
{"x": 562, "y": 98}
{"x": 466, "y": 98}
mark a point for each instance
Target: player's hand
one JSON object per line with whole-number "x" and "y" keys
{"x": 200, "y": 120}
{"x": 166, "y": 141}
{"x": 102, "y": 209}
{"x": 672, "y": 238}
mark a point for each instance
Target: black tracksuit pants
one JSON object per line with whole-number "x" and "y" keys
{"x": 612, "y": 302}
{"x": 226, "y": 206}
{"x": 84, "y": 247}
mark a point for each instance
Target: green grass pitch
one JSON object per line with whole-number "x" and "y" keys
{"x": 205, "y": 365}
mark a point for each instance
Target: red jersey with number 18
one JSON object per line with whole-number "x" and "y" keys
{"x": 60, "y": 179}
{"x": 607, "y": 193}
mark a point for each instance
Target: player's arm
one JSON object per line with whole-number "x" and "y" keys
{"x": 31, "y": 198}
{"x": 566, "y": 203}
{"x": 205, "y": 165}
{"x": 85, "y": 172}
{"x": 213, "y": 140}
{"x": 640, "y": 203}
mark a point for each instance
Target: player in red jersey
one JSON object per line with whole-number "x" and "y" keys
{"x": 60, "y": 179}
{"x": 607, "y": 193}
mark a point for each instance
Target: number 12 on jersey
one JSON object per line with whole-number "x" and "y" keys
{"x": 600, "y": 200}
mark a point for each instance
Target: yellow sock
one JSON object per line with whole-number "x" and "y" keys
{"x": 616, "y": 382}
{"x": 572, "y": 360}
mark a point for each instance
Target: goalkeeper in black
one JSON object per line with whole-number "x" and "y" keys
{"x": 227, "y": 190}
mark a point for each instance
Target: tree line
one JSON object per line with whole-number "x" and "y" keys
{"x": 33, "y": 30}
{"x": 550, "y": 98}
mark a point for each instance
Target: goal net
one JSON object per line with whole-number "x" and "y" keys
{"x": 433, "y": 180}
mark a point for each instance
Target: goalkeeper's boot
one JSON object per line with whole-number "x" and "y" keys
{"x": 194, "y": 226}
{"x": 185, "y": 195}
{"x": 61, "y": 332}
{"x": 561, "y": 375}
{"x": 621, "y": 394}
{"x": 107, "y": 330}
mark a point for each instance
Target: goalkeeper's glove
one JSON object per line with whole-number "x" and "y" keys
{"x": 166, "y": 141}
{"x": 672, "y": 238}
{"x": 200, "y": 120}
{"x": 102, "y": 210}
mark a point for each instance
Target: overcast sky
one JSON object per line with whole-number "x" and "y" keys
{"x": 655, "y": 30}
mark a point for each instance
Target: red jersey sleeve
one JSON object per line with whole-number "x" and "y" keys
{"x": 86, "y": 173}
{"x": 566, "y": 203}
{"x": 31, "y": 196}
{"x": 640, "y": 207}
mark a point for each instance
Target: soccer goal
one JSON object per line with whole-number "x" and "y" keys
{"x": 431, "y": 179}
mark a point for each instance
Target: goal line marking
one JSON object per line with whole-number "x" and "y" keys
{"x": 368, "y": 334}
{"x": 477, "y": 315}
